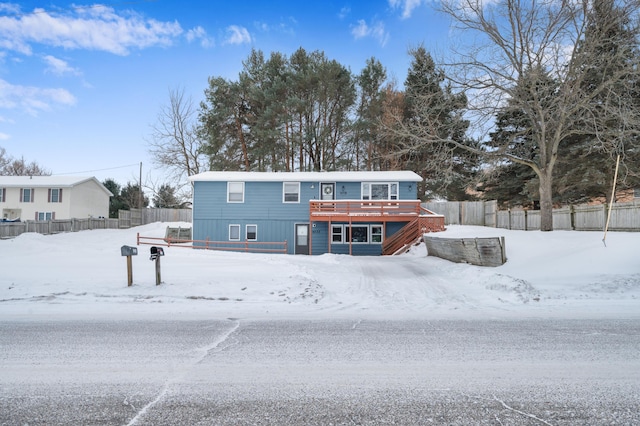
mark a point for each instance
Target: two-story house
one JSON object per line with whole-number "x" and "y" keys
{"x": 52, "y": 197}
{"x": 365, "y": 213}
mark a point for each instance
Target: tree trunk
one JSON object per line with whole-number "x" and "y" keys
{"x": 546, "y": 200}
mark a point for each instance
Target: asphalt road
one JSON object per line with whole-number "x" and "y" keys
{"x": 324, "y": 372}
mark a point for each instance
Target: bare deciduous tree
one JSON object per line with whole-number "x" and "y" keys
{"x": 10, "y": 166}
{"x": 175, "y": 144}
{"x": 508, "y": 40}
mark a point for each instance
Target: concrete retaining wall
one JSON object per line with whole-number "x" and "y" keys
{"x": 476, "y": 251}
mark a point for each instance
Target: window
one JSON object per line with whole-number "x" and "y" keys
{"x": 376, "y": 234}
{"x": 55, "y": 195}
{"x": 380, "y": 191}
{"x": 235, "y": 192}
{"x": 252, "y": 232}
{"x": 45, "y": 216}
{"x": 26, "y": 195}
{"x": 357, "y": 233}
{"x": 336, "y": 234}
{"x": 3, "y": 195}
{"x": 234, "y": 232}
{"x": 291, "y": 192}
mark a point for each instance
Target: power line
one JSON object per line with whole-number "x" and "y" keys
{"x": 96, "y": 170}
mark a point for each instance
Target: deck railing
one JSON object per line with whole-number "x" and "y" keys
{"x": 324, "y": 208}
{"x": 242, "y": 246}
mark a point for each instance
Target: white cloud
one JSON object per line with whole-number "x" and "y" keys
{"x": 94, "y": 28}
{"x": 4, "y": 136}
{"x": 59, "y": 67}
{"x": 286, "y": 27}
{"x": 32, "y": 99}
{"x": 237, "y": 35}
{"x": 407, "y": 6}
{"x": 9, "y": 8}
{"x": 199, "y": 33}
{"x": 376, "y": 31}
{"x": 344, "y": 12}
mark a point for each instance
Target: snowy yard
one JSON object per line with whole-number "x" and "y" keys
{"x": 551, "y": 337}
{"x": 554, "y": 274}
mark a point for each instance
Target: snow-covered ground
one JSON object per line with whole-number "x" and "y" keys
{"x": 548, "y": 274}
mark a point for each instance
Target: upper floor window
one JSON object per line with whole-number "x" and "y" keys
{"x": 291, "y": 192}
{"x": 3, "y": 195}
{"x": 55, "y": 195}
{"x": 235, "y": 192}
{"x": 380, "y": 191}
{"x": 26, "y": 195}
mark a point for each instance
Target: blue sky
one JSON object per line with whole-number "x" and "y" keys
{"x": 82, "y": 83}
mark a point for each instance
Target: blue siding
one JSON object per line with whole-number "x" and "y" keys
{"x": 263, "y": 206}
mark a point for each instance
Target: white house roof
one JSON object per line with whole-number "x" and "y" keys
{"x": 47, "y": 182}
{"x": 398, "y": 176}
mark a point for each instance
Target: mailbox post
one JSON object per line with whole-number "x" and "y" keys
{"x": 129, "y": 251}
{"x": 156, "y": 253}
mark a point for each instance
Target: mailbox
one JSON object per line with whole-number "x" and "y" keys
{"x": 156, "y": 252}
{"x": 129, "y": 251}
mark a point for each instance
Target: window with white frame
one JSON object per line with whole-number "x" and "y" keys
{"x": 252, "y": 232}
{"x": 336, "y": 234}
{"x": 26, "y": 195}
{"x": 46, "y": 215}
{"x": 379, "y": 190}
{"x": 3, "y": 195}
{"x": 55, "y": 195}
{"x": 376, "y": 234}
{"x": 356, "y": 234}
{"x": 235, "y": 192}
{"x": 234, "y": 232}
{"x": 291, "y": 192}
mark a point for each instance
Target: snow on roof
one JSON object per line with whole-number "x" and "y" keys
{"x": 400, "y": 176}
{"x": 47, "y": 181}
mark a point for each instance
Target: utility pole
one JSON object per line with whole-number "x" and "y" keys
{"x": 141, "y": 198}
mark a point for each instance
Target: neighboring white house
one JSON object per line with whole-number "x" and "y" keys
{"x": 52, "y": 197}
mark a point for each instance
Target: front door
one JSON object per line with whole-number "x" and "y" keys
{"x": 327, "y": 191}
{"x": 302, "y": 238}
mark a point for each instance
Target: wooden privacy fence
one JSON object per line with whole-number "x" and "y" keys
{"x": 586, "y": 217}
{"x": 126, "y": 219}
{"x": 137, "y": 217}
{"x": 479, "y": 213}
{"x": 13, "y": 229}
{"x": 624, "y": 217}
{"x": 243, "y": 246}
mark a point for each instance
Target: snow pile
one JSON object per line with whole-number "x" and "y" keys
{"x": 560, "y": 273}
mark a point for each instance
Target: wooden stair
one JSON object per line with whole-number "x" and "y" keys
{"x": 411, "y": 234}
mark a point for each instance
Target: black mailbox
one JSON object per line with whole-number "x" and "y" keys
{"x": 128, "y": 251}
{"x": 156, "y": 252}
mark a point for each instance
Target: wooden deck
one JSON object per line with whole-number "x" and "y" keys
{"x": 366, "y": 211}
{"x": 417, "y": 219}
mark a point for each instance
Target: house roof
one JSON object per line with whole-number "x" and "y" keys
{"x": 399, "y": 176}
{"x": 48, "y": 182}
